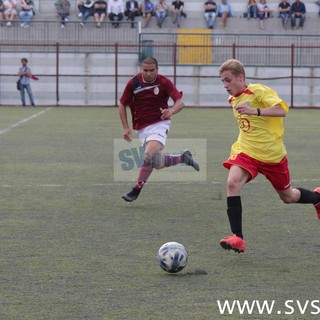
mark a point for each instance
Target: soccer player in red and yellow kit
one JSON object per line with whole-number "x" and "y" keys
{"x": 147, "y": 96}
{"x": 259, "y": 148}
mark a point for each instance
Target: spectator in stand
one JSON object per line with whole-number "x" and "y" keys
{"x": 318, "y": 3}
{"x": 284, "y": 12}
{"x": 26, "y": 12}
{"x": 115, "y": 12}
{"x": 63, "y": 9}
{"x": 10, "y": 11}
{"x": 264, "y": 12}
{"x": 224, "y": 11}
{"x": 147, "y": 9}
{"x": 210, "y": 8}
{"x": 252, "y": 11}
{"x": 1, "y": 12}
{"x": 132, "y": 11}
{"x": 161, "y": 12}
{"x": 87, "y": 11}
{"x": 80, "y": 5}
{"x": 100, "y": 11}
{"x": 298, "y": 11}
{"x": 177, "y": 10}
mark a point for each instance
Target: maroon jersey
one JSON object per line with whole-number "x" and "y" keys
{"x": 146, "y": 99}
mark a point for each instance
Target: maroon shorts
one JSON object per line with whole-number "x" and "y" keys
{"x": 277, "y": 173}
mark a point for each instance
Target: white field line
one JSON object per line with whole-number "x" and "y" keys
{"x": 102, "y": 185}
{"x": 17, "y": 124}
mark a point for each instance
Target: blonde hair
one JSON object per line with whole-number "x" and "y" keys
{"x": 234, "y": 66}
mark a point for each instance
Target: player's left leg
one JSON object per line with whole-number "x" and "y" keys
{"x": 317, "y": 205}
{"x": 301, "y": 195}
{"x": 279, "y": 176}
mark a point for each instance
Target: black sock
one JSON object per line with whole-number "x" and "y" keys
{"x": 235, "y": 214}
{"x": 308, "y": 196}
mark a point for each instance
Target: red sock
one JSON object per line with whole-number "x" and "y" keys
{"x": 144, "y": 174}
{"x": 171, "y": 160}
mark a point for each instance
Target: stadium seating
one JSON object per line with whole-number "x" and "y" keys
{"x": 46, "y": 11}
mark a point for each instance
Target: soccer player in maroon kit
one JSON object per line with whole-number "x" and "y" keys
{"x": 147, "y": 96}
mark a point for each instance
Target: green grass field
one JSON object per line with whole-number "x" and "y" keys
{"x": 72, "y": 249}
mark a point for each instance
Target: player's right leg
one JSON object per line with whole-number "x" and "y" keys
{"x": 234, "y": 243}
{"x": 152, "y": 154}
{"x": 134, "y": 193}
{"x": 237, "y": 178}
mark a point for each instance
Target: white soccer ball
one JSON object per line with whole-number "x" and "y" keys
{"x": 172, "y": 257}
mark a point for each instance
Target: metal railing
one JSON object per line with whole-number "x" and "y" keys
{"x": 251, "y": 49}
{"x": 296, "y": 83}
{"x": 43, "y": 35}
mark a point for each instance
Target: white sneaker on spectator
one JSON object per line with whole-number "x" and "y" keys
{"x": 9, "y": 24}
{"x": 80, "y": 14}
{"x": 62, "y": 26}
{"x": 22, "y": 25}
{"x": 66, "y": 19}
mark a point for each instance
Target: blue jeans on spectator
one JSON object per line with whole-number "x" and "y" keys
{"x": 210, "y": 17}
{"x": 26, "y": 87}
{"x": 252, "y": 12}
{"x": 115, "y": 18}
{"x": 64, "y": 16}
{"x": 293, "y": 20}
{"x": 26, "y": 16}
{"x": 86, "y": 15}
{"x": 161, "y": 16}
{"x": 284, "y": 17}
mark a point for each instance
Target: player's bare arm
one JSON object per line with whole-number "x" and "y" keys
{"x": 177, "y": 107}
{"x": 127, "y": 132}
{"x": 275, "y": 111}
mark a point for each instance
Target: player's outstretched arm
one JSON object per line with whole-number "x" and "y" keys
{"x": 124, "y": 120}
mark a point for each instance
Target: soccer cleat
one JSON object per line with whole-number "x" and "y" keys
{"x": 317, "y": 206}
{"x": 186, "y": 158}
{"x": 234, "y": 243}
{"x": 132, "y": 195}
